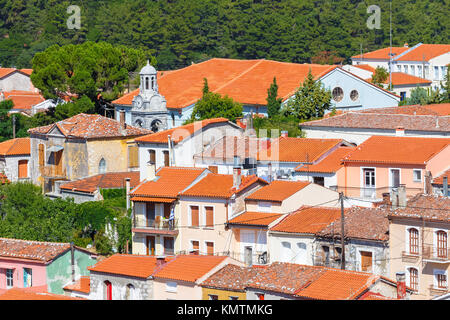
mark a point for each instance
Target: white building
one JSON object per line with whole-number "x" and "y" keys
{"x": 14, "y": 159}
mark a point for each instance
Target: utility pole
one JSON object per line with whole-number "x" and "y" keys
{"x": 341, "y": 198}
{"x": 390, "y": 45}
{"x": 14, "y": 126}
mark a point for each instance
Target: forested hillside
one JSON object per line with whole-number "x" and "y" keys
{"x": 178, "y": 32}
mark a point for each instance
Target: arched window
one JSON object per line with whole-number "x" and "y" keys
{"x": 102, "y": 166}
{"x": 413, "y": 278}
{"x": 153, "y": 83}
{"x": 413, "y": 241}
{"x": 107, "y": 290}
{"x": 146, "y": 83}
{"x": 441, "y": 237}
{"x": 129, "y": 295}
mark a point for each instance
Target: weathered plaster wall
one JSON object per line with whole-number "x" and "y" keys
{"x": 114, "y": 151}
{"x": 143, "y": 288}
{"x": 59, "y": 272}
{"x": 10, "y": 166}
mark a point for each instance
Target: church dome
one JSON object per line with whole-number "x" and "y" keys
{"x": 148, "y": 69}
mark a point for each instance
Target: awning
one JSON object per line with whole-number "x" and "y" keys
{"x": 148, "y": 199}
{"x": 55, "y": 148}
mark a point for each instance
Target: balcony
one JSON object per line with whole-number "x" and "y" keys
{"x": 53, "y": 172}
{"x": 437, "y": 291}
{"x": 410, "y": 257}
{"x": 433, "y": 254}
{"x": 155, "y": 226}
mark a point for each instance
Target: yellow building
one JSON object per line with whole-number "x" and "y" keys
{"x": 228, "y": 283}
{"x": 81, "y": 146}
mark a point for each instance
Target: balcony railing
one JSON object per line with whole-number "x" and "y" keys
{"x": 410, "y": 257}
{"x": 259, "y": 258}
{"x": 372, "y": 193}
{"x": 53, "y": 172}
{"x": 434, "y": 254}
{"x": 155, "y": 224}
{"x": 436, "y": 291}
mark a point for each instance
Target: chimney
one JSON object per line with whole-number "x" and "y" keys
{"x": 401, "y": 196}
{"x": 386, "y": 198}
{"x": 151, "y": 171}
{"x": 270, "y": 173}
{"x": 445, "y": 186}
{"x": 123, "y": 125}
{"x": 399, "y": 132}
{"x": 160, "y": 261}
{"x": 406, "y": 45}
{"x": 127, "y": 188}
{"x": 428, "y": 179}
{"x": 401, "y": 285}
{"x": 284, "y": 134}
{"x": 236, "y": 172}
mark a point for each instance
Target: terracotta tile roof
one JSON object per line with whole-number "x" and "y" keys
{"x": 365, "y": 67}
{"x": 400, "y": 78}
{"x": 15, "y": 147}
{"x": 359, "y": 223}
{"x": 428, "y": 207}
{"x": 188, "y": 268}
{"x": 27, "y": 71}
{"x": 336, "y": 284}
{"x": 111, "y": 180}
{"x": 442, "y": 109}
{"x": 425, "y": 52}
{"x": 374, "y": 296}
{"x": 91, "y": 126}
{"x": 255, "y": 218}
{"x": 180, "y": 133}
{"x": 171, "y": 181}
{"x": 23, "y": 99}
{"x": 307, "y": 220}
{"x": 6, "y": 71}
{"x": 330, "y": 164}
{"x": 81, "y": 285}
{"x": 382, "y": 54}
{"x": 139, "y": 266}
{"x": 383, "y": 121}
{"x": 278, "y": 190}
{"x": 286, "y": 149}
{"x": 24, "y": 294}
{"x": 440, "y": 179}
{"x": 231, "y": 277}
{"x": 246, "y": 81}
{"x": 228, "y": 147}
{"x": 31, "y": 250}
{"x": 158, "y": 200}
{"x": 220, "y": 186}
{"x": 399, "y": 150}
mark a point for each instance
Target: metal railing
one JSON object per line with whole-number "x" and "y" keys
{"x": 156, "y": 224}
{"x": 434, "y": 253}
{"x": 259, "y": 258}
{"x": 372, "y": 193}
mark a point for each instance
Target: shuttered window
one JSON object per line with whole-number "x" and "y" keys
{"x": 41, "y": 156}
{"x": 133, "y": 157}
{"x": 195, "y": 247}
{"x": 442, "y": 244}
{"x": 209, "y": 213}
{"x": 23, "y": 169}
{"x": 166, "y": 158}
{"x": 194, "y": 216}
{"x": 413, "y": 241}
{"x": 209, "y": 248}
{"x": 414, "y": 278}
{"x": 152, "y": 155}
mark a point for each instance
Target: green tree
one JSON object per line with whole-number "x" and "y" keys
{"x": 205, "y": 86}
{"x": 418, "y": 96}
{"x": 310, "y": 101}
{"x": 213, "y": 105}
{"x": 445, "y": 88}
{"x": 273, "y": 103}
{"x": 380, "y": 76}
{"x": 6, "y": 131}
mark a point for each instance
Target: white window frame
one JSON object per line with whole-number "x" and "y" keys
{"x": 390, "y": 176}
{"x": 414, "y": 176}
{"x": 407, "y": 244}
{"x": 435, "y": 273}
{"x": 408, "y": 276}
{"x": 206, "y": 248}
{"x": 9, "y": 278}
{"x": 264, "y": 206}
{"x": 191, "y": 245}
{"x": 171, "y": 286}
{"x": 435, "y": 231}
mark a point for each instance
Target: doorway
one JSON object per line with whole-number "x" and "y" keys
{"x": 150, "y": 245}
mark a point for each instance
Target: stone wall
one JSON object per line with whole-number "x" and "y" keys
{"x": 143, "y": 288}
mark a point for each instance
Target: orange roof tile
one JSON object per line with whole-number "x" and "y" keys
{"x": 171, "y": 181}
{"x": 365, "y": 67}
{"x": 15, "y": 147}
{"x": 220, "y": 186}
{"x": 139, "y": 266}
{"x": 400, "y": 78}
{"x": 6, "y": 71}
{"x": 307, "y": 220}
{"x": 110, "y": 180}
{"x": 180, "y": 133}
{"x": 382, "y": 54}
{"x": 400, "y": 150}
{"x": 330, "y": 164}
{"x": 286, "y": 149}
{"x": 24, "y": 294}
{"x": 27, "y": 71}
{"x": 427, "y": 207}
{"x": 91, "y": 126}
{"x": 336, "y": 284}
{"x": 278, "y": 190}
{"x": 246, "y": 81}
{"x": 440, "y": 179}
{"x": 188, "y": 268}
{"x": 425, "y": 52}
{"x": 23, "y": 99}
{"x": 231, "y": 277}
{"x": 255, "y": 218}
{"x": 81, "y": 285}
{"x": 148, "y": 199}
{"x": 442, "y": 109}
{"x": 32, "y": 250}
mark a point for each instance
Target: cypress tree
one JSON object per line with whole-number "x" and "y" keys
{"x": 273, "y": 103}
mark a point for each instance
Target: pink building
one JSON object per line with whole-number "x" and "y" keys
{"x": 381, "y": 164}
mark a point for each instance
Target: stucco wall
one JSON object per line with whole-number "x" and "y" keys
{"x": 10, "y": 166}
{"x": 17, "y": 81}
{"x": 143, "y": 288}
{"x": 39, "y": 277}
{"x": 301, "y": 248}
{"x": 222, "y": 294}
{"x": 59, "y": 272}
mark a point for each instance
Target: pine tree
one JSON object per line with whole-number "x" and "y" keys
{"x": 273, "y": 103}
{"x": 205, "y": 86}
